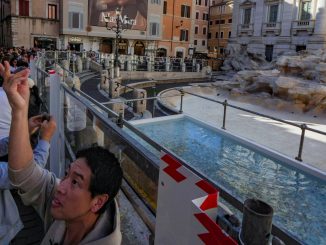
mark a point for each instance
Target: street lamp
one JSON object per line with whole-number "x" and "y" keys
{"x": 121, "y": 24}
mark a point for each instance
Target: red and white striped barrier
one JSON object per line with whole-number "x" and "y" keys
{"x": 187, "y": 208}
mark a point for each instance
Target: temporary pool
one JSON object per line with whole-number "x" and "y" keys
{"x": 298, "y": 195}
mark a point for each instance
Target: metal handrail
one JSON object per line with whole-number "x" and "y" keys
{"x": 234, "y": 201}
{"x": 303, "y": 126}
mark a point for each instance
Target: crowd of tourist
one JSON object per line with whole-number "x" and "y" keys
{"x": 78, "y": 209}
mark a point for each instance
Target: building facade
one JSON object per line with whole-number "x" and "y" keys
{"x": 177, "y": 37}
{"x": 270, "y": 27}
{"x": 220, "y": 25}
{"x": 201, "y": 26}
{"x": 83, "y": 26}
{"x": 29, "y": 23}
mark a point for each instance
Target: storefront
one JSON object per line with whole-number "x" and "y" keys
{"x": 75, "y": 43}
{"x": 123, "y": 46}
{"x": 106, "y": 46}
{"x": 45, "y": 43}
{"x": 139, "y": 48}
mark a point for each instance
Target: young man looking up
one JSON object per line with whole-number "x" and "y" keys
{"x": 80, "y": 209}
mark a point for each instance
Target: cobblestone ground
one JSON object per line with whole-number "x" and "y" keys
{"x": 134, "y": 231}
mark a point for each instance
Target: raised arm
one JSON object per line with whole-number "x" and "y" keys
{"x": 17, "y": 90}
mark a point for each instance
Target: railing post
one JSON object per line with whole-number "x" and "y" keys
{"x": 154, "y": 100}
{"x": 303, "y": 130}
{"x": 182, "y": 93}
{"x": 225, "y": 103}
{"x": 120, "y": 120}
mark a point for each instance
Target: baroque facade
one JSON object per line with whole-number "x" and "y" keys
{"x": 29, "y": 23}
{"x": 271, "y": 27}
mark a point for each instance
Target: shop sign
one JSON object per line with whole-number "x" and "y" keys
{"x": 75, "y": 40}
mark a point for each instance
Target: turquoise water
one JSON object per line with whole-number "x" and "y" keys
{"x": 298, "y": 199}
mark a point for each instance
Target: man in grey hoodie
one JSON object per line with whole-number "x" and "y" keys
{"x": 79, "y": 209}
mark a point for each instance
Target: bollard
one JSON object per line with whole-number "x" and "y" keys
{"x": 114, "y": 88}
{"x": 183, "y": 67}
{"x": 140, "y": 105}
{"x": 104, "y": 84}
{"x": 257, "y": 223}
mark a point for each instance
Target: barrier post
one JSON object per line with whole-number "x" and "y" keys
{"x": 303, "y": 130}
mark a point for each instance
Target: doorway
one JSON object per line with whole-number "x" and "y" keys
{"x": 139, "y": 48}
{"x": 269, "y": 52}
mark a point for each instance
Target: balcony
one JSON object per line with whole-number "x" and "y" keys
{"x": 303, "y": 26}
{"x": 273, "y": 28}
{"x": 245, "y": 29}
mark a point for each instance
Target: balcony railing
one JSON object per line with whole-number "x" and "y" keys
{"x": 271, "y": 28}
{"x": 303, "y": 26}
{"x": 245, "y": 29}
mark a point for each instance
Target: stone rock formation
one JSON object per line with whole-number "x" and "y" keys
{"x": 298, "y": 83}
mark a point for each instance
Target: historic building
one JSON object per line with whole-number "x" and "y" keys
{"x": 83, "y": 26}
{"x": 201, "y": 28}
{"x": 220, "y": 25}
{"x": 29, "y": 23}
{"x": 270, "y": 27}
{"x": 177, "y": 35}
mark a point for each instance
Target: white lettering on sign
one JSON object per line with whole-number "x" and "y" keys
{"x": 75, "y": 39}
{"x": 113, "y": 19}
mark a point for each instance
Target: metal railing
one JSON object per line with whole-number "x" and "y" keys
{"x": 225, "y": 194}
{"x": 100, "y": 109}
{"x": 225, "y": 104}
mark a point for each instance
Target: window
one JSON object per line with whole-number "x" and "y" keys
{"x": 156, "y": 2}
{"x": 197, "y": 15}
{"x": 209, "y": 35}
{"x": 222, "y": 22}
{"x": 305, "y": 10}
{"x": 221, "y": 34}
{"x": 216, "y": 35}
{"x": 195, "y": 42}
{"x": 165, "y": 7}
{"x": 154, "y": 29}
{"x": 229, "y": 34}
{"x": 217, "y": 22}
{"x": 196, "y": 29}
{"x": 52, "y": 11}
{"x": 24, "y": 7}
{"x": 203, "y": 43}
{"x": 211, "y": 23}
{"x": 273, "y": 11}
{"x": 206, "y": 2}
{"x": 205, "y": 16}
{"x": 75, "y": 20}
{"x": 247, "y": 16}
{"x": 204, "y": 31}
{"x": 185, "y": 11}
{"x": 198, "y": 2}
{"x": 230, "y": 21}
{"x": 184, "y": 35}
{"x": 221, "y": 50}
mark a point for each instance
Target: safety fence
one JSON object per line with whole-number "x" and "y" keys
{"x": 83, "y": 121}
